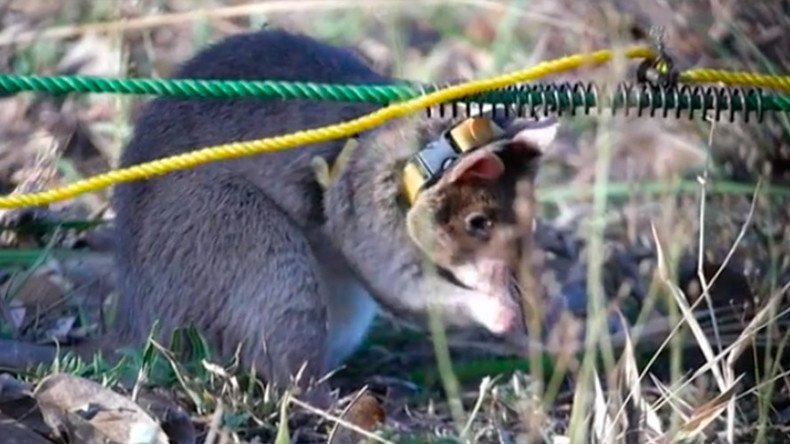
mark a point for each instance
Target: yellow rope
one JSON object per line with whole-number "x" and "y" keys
{"x": 332, "y": 132}
{"x": 704, "y": 75}
{"x": 351, "y": 127}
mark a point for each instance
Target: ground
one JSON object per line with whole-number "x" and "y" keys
{"x": 632, "y": 208}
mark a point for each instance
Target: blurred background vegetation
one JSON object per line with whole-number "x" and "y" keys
{"x": 57, "y": 277}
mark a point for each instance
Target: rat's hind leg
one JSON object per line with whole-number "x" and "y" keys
{"x": 219, "y": 254}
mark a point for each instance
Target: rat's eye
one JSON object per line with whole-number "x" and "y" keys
{"x": 478, "y": 225}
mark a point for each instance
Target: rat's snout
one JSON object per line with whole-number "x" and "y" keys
{"x": 497, "y": 306}
{"x": 495, "y": 314}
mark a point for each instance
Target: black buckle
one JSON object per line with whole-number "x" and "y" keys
{"x": 658, "y": 71}
{"x": 436, "y": 157}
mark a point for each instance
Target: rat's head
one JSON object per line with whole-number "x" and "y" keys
{"x": 465, "y": 221}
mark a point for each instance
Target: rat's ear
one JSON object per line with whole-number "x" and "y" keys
{"x": 536, "y": 135}
{"x": 479, "y": 164}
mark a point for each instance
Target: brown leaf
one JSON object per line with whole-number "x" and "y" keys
{"x": 174, "y": 420}
{"x": 364, "y": 411}
{"x": 90, "y": 413}
{"x": 14, "y": 432}
{"x": 41, "y": 291}
{"x": 12, "y": 389}
{"x": 91, "y": 55}
{"x": 38, "y": 9}
{"x": 17, "y": 404}
{"x": 705, "y": 414}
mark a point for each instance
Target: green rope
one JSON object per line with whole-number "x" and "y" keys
{"x": 224, "y": 89}
{"x": 551, "y": 96}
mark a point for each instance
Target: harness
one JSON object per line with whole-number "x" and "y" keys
{"x": 425, "y": 167}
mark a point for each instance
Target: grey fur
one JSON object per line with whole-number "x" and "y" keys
{"x": 236, "y": 248}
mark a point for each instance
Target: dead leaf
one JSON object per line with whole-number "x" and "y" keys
{"x": 40, "y": 291}
{"x": 61, "y": 328}
{"x": 92, "y": 55}
{"x": 705, "y": 414}
{"x": 90, "y": 413}
{"x": 16, "y": 314}
{"x": 14, "y": 432}
{"x": 174, "y": 420}
{"x": 364, "y": 411}
{"x": 37, "y": 9}
{"x": 12, "y": 389}
{"x": 16, "y": 403}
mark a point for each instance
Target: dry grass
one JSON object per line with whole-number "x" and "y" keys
{"x": 699, "y": 267}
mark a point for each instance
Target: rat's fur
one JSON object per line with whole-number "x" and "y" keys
{"x": 256, "y": 252}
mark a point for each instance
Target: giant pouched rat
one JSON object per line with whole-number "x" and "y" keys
{"x": 261, "y": 254}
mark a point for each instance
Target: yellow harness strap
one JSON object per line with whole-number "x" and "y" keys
{"x": 426, "y": 166}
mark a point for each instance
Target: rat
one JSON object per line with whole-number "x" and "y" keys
{"x": 285, "y": 258}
